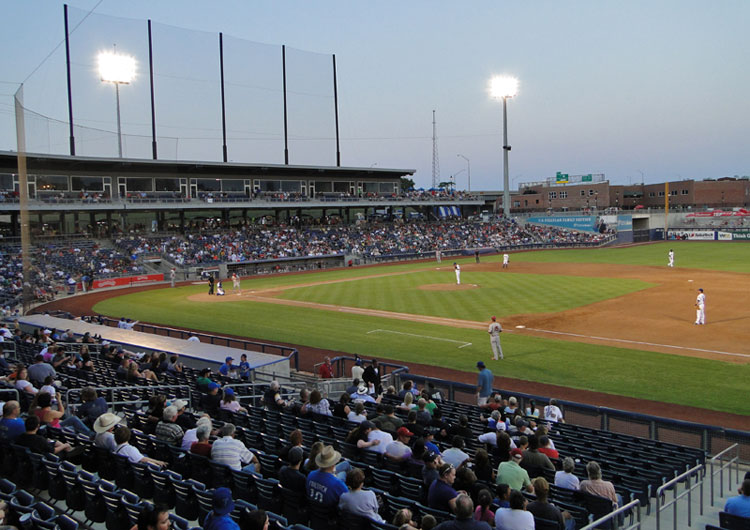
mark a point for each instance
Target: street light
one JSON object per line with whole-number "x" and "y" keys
{"x": 468, "y": 167}
{"x": 504, "y": 87}
{"x": 118, "y": 69}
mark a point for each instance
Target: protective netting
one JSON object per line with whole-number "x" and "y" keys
{"x": 187, "y": 96}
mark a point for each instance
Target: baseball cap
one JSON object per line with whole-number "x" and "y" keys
{"x": 480, "y": 364}
{"x": 430, "y": 456}
{"x": 516, "y": 453}
{"x": 403, "y": 431}
{"x": 494, "y": 318}
{"x": 222, "y": 501}
{"x": 213, "y": 386}
{"x": 179, "y": 404}
{"x": 229, "y": 391}
{"x": 228, "y": 359}
{"x": 367, "y": 425}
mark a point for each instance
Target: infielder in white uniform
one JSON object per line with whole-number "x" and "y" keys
{"x": 172, "y": 275}
{"x": 700, "y": 308}
{"x": 438, "y": 255}
{"x": 506, "y": 260}
{"x": 457, "y": 268}
{"x": 671, "y": 258}
{"x": 494, "y": 330}
{"x": 236, "y": 284}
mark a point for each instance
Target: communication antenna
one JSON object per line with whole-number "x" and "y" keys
{"x": 435, "y": 159}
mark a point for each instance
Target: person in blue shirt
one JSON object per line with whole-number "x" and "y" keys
{"x": 484, "y": 384}
{"x": 226, "y": 369}
{"x": 323, "y": 487}
{"x": 219, "y": 518}
{"x": 740, "y": 505}
{"x": 11, "y": 426}
{"x": 244, "y": 367}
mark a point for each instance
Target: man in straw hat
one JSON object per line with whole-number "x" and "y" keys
{"x": 323, "y": 487}
{"x": 104, "y": 427}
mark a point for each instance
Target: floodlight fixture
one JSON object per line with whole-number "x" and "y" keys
{"x": 118, "y": 69}
{"x": 503, "y": 86}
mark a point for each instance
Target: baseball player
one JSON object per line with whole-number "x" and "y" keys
{"x": 438, "y": 255}
{"x": 236, "y": 284}
{"x": 700, "y": 308}
{"x": 506, "y": 260}
{"x": 457, "y": 268}
{"x": 494, "y": 330}
{"x": 671, "y": 258}
{"x": 172, "y": 274}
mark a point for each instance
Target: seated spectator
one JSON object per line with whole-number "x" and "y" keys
{"x": 566, "y": 478}
{"x": 512, "y": 406}
{"x": 516, "y": 517}
{"x": 512, "y": 474}
{"x": 541, "y": 507}
{"x": 174, "y": 366}
{"x": 358, "y": 414}
{"x": 456, "y": 455}
{"x": 408, "y": 403}
{"x": 40, "y": 370}
{"x": 191, "y": 435}
{"x": 212, "y": 400}
{"x": 361, "y": 436}
{"x": 399, "y": 450}
{"x": 442, "y": 426}
{"x": 552, "y": 412}
{"x": 272, "y": 399}
{"x": 255, "y": 520}
{"x": 318, "y": 404}
{"x": 167, "y": 430}
{"x": 92, "y": 406}
{"x": 532, "y": 409}
{"x": 533, "y": 459}
{"x": 464, "y": 517}
{"x": 153, "y": 517}
{"x": 357, "y": 500}
{"x": 122, "y": 439}
{"x": 363, "y": 394}
{"x": 433, "y": 392}
{"x": 502, "y": 496}
{"x": 740, "y": 505}
{"x": 298, "y": 407}
{"x": 290, "y": 475}
{"x": 104, "y": 427}
{"x": 412, "y": 425}
{"x": 21, "y": 384}
{"x": 202, "y": 445}
{"x": 546, "y": 449}
{"x": 295, "y": 440}
{"x": 483, "y": 511}
{"x": 382, "y": 438}
{"x": 11, "y": 426}
{"x": 228, "y": 369}
{"x": 323, "y": 487}
{"x": 388, "y": 421}
{"x": 596, "y": 486}
{"x": 133, "y": 374}
{"x": 184, "y": 420}
{"x": 41, "y": 445}
{"x": 483, "y": 466}
{"x": 441, "y": 495}
{"x": 403, "y": 520}
{"x": 408, "y": 388}
{"x": 432, "y": 463}
{"x": 203, "y": 379}
{"x": 233, "y": 453}
{"x": 46, "y": 415}
{"x": 230, "y": 402}
{"x": 424, "y": 417}
{"x": 219, "y": 517}
{"x": 462, "y": 429}
{"x": 429, "y": 440}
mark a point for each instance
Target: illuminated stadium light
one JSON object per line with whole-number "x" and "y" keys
{"x": 118, "y": 69}
{"x": 504, "y": 87}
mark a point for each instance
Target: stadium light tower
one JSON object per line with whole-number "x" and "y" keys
{"x": 504, "y": 87}
{"x": 118, "y": 69}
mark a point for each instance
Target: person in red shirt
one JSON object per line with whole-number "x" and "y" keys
{"x": 545, "y": 448}
{"x": 326, "y": 369}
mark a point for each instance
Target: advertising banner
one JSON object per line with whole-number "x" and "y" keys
{"x": 128, "y": 280}
{"x": 741, "y": 235}
{"x": 586, "y": 223}
{"x": 693, "y": 235}
{"x": 624, "y": 223}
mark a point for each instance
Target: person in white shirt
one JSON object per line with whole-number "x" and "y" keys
{"x": 457, "y": 268}
{"x": 494, "y": 330}
{"x": 516, "y": 517}
{"x": 670, "y": 255}
{"x": 566, "y": 478}
{"x": 506, "y": 260}
{"x": 552, "y": 412}
{"x": 398, "y": 450}
{"x": 384, "y": 439}
{"x": 700, "y": 308}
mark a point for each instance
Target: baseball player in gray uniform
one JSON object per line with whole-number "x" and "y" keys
{"x": 494, "y": 330}
{"x": 670, "y": 256}
{"x": 700, "y": 308}
{"x": 457, "y": 268}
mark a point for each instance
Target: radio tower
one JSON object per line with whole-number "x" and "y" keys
{"x": 435, "y": 159}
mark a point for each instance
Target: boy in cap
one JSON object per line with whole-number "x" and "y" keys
{"x": 218, "y": 518}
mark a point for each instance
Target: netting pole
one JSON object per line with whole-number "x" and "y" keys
{"x": 336, "y": 111}
{"x": 283, "y": 74}
{"x": 223, "y": 107}
{"x": 70, "y": 92}
{"x": 23, "y": 195}
{"x": 151, "y": 77}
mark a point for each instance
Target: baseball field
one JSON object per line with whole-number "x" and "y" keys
{"x": 613, "y": 320}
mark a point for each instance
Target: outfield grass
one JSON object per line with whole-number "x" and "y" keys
{"x": 662, "y": 377}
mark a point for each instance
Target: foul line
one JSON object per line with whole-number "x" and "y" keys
{"x": 638, "y": 342}
{"x": 463, "y": 344}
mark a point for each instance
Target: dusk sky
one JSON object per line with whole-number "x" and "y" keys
{"x": 639, "y": 89}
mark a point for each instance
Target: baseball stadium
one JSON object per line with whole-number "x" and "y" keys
{"x": 224, "y": 344}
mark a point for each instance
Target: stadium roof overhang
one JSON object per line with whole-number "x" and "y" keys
{"x": 125, "y": 166}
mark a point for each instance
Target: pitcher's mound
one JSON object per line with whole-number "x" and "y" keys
{"x": 448, "y": 287}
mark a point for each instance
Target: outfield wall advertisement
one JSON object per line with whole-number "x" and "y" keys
{"x": 710, "y": 235}
{"x": 128, "y": 280}
{"x": 585, "y": 223}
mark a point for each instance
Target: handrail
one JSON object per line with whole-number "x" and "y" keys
{"x": 685, "y": 477}
{"x": 255, "y": 397}
{"x": 617, "y": 513}
{"x": 111, "y": 389}
{"x": 14, "y": 390}
{"x": 720, "y": 457}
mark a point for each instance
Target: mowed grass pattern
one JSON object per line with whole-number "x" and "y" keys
{"x": 497, "y": 293}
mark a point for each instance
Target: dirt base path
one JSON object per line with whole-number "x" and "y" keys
{"x": 656, "y": 319}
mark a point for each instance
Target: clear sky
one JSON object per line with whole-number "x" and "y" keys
{"x": 639, "y": 89}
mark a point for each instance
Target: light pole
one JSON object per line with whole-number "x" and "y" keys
{"x": 117, "y": 69}
{"x": 468, "y": 169}
{"x": 504, "y": 87}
